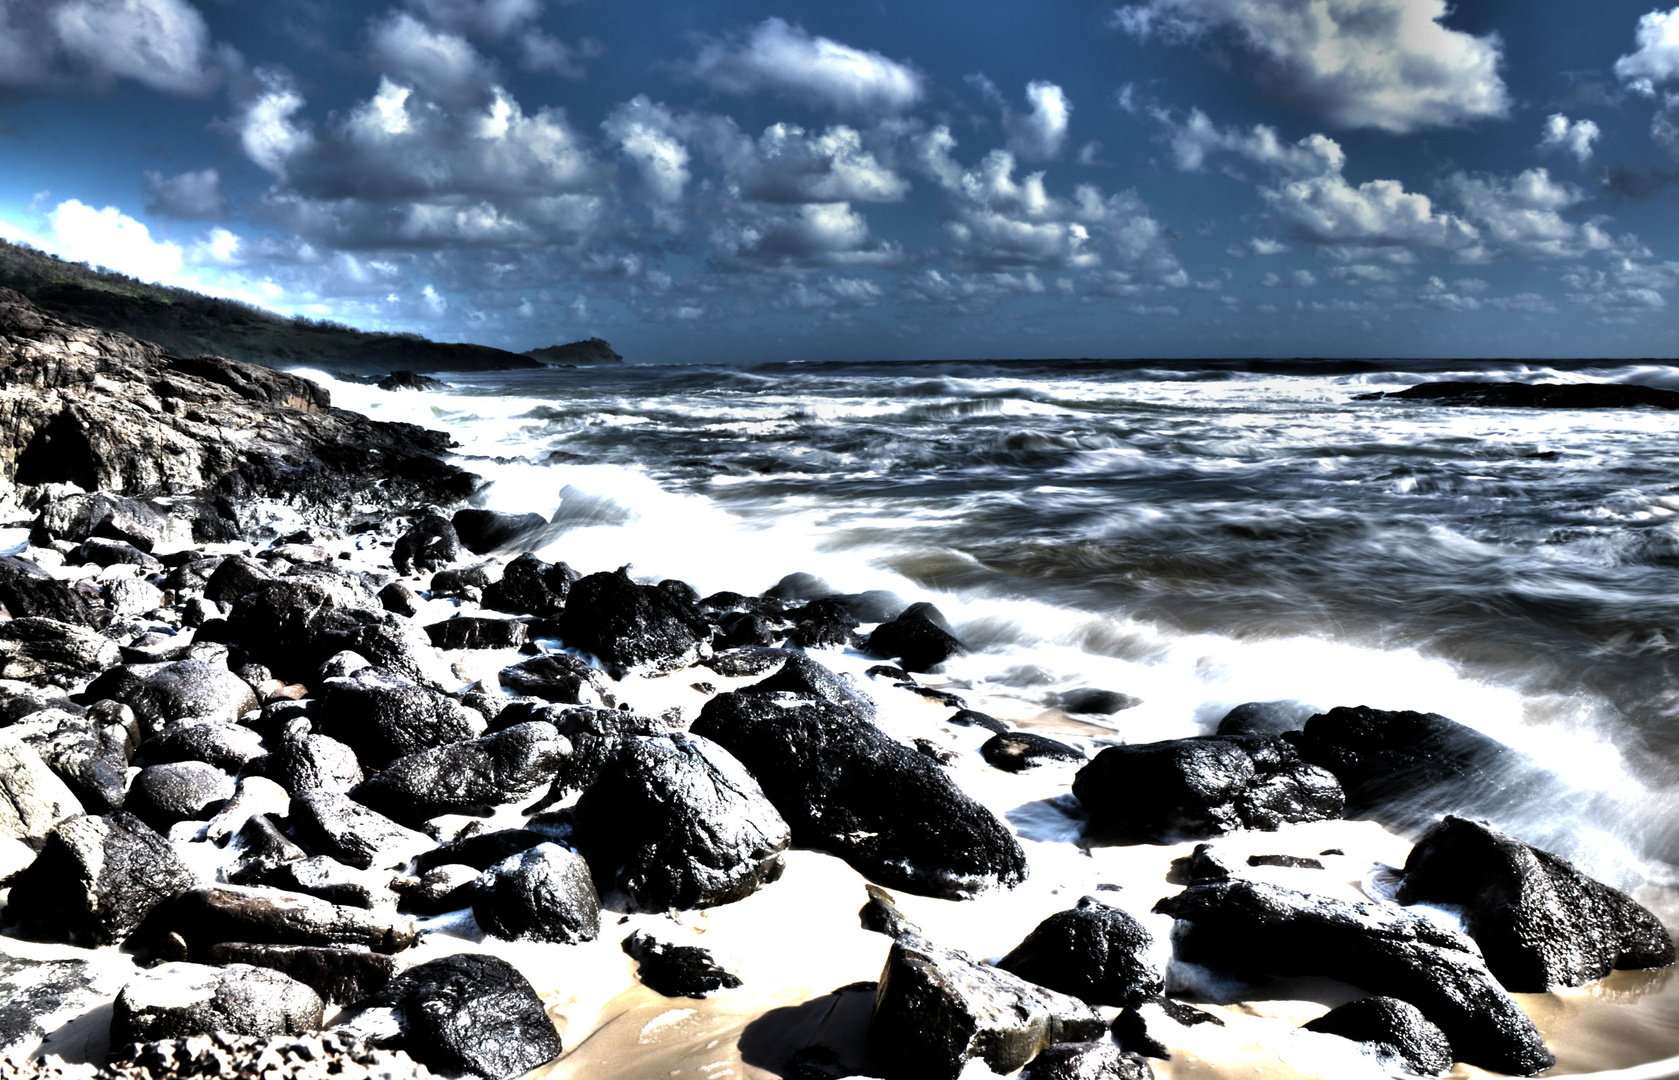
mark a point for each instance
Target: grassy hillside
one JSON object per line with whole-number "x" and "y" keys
{"x": 188, "y": 323}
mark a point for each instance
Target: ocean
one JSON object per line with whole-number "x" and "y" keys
{"x": 1195, "y": 536}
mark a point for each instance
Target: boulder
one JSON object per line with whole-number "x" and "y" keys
{"x": 824, "y": 623}
{"x": 260, "y": 848}
{"x": 97, "y": 551}
{"x": 554, "y": 677}
{"x": 398, "y": 598}
{"x": 330, "y": 880}
{"x": 1205, "y": 786}
{"x": 96, "y": 879}
{"x": 1017, "y": 751}
{"x": 471, "y": 632}
{"x": 382, "y": 716}
{"x": 27, "y": 591}
{"x": 470, "y": 1013}
{"x": 677, "y": 970}
{"x": 1254, "y": 930}
{"x": 132, "y": 598}
{"x": 334, "y": 824}
{"x": 1396, "y": 1030}
{"x": 846, "y": 787}
{"x": 971, "y": 718}
{"x": 430, "y": 545}
{"x": 34, "y": 647}
{"x": 1094, "y": 952}
{"x": 545, "y": 894}
{"x": 739, "y": 663}
{"x": 338, "y": 975}
{"x": 235, "y": 576}
{"x": 181, "y": 791}
{"x": 1094, "y": 701}
{"x": 802, "y": 677}
{"x": 209, "y": 915}
{"x": 1087, "y": 1061}
{"x": 747, "y": 628}
{"x": 919, "y": 638}
{"x": 1540, "y": 923}
{"x": 467, "y": 583}
{"x": 33, "y": 800}
{"x": 449, "y": 887}
{"x": 189, "y": 690}
{"x": 1264, "y": 718}
{"x": 1147, "y": 1028}
{"x": 529, "y": 586}
{"x": 1515, "y": 395}
{"x": 228, "y": 747}
{"x": 76, "y": 518}
{"x": 19, "y": 700}
{"x": 484, "y": 531}
{"x": 481, "y": 850}
{"x": 678, "y": 822}
{"x": 252, "y": 796}
{"x": 91, "y": 759}
{"x": 308, "y": 762}
{"x": 936, "y": 1009}
{"x": 174, "y": 1001}
{"x": 628, "y": 625}
{"x": 464, "y": 777}
{"x": 594, "y": 735}
{"x": 294, "y": 624}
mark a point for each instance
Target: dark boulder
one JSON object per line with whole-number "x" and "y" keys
{"x": 228, "y": 747}
{"x": 181, "y": 791}
{"x": 308, "y": 762}
{"x": 97, "y": 551}
{"x": 971, "y": 718}
{"x": 449, "y": 887}
{"x": 802, "y": 677}
{"x": 1254, "y": 930}
{"x": 1146, "y": 1028}
{"x": 397, "y": 598}
{"x": 1087, "y": 1061}
{"x": 330, "y": 880}
{"x": 1540, "y": 922}
{"x": 554, "y": 677}
{"x": 480, "y": 850}
{"x": 235, "y": 576}
{"x": 1017, "y": 751}
{"x": 471, "y": 1013}
{"x": 103, "y": 514}
{"x": 408, "y": 380}
{"x": 739, "y": 663}
{"x": 529, "y": 586}
{"x": 260, "y": 848}
{"x": 96, "y": 879}
{"x": 544, "y": 893}
{"x": 1095, "y": 701}
{"x": 484, "y": 531}
{"x": 466, "y": 777}
{"x": 1511, "y": 395}
{"x": 430, "y": 545}
{"x": 595, "y": 735}
{"x": 1204, "y": 865}
{"x": 382, "y": 716}
{"x": 210, "y": 915}
{"x": 677, "y": 822}
{"x": 33, "y": 800}
{"x": 880, "y": 914}
{"x": 27, "y": 591}
{"x": 179, "y": 1000}
{"x": 19, "y": 700}
{"x": 1093, "y": 952}
{"x": 472, "y": 632}
{"x": 467, "y": 583}
{"x": 91, "y": 759}
{"x": 846, "y": 787}
{"x": 686, "y": 971}
{"x": 334, "y": 824}
{"x": 739, "y": 629}
{"x": 1397, "y": 1030}
{"x": 825, "y": 623}
{"x": 937, "y": 1008}
{"x": 1189, "y": 788}
{"x": 628, "y": 625}
{"x": 1264, "y": 718}
{"x": 36, "y": 648}
{"x": 919, "y": 638}
{"x": 339, "y": 976}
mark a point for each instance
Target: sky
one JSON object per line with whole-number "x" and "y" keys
{"x": 741, "y": 181}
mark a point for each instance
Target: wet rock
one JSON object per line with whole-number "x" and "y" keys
{"x": 686, "y": 971}
{"x": 294, "y": 624}
{"x": 313, "y": 1056}
{"x": 595, "y": 735}
{"x": 33, "y": 800}
{"x": 91, "y": 759}
{"x": 1205, "y": 865}
{"x": 1087, "y": 1061}
{"x": 98, "y": 551}
{"x": 210, "y": 915}
{"x": 628, "y": 625}
{"x": 920, "y": 639}
{"x": 678, "y": 822}
{"x": 37, "y": 995}
{"x": 1094, "y": 701}
{"x": 181, "y": 791}
{"x": 467, "y": 583}
{"x": 1018, "y": 751}
{"x": 34, "y": 647}
{"x": 382, "y": 716}
{"x": 235, "y": 576}
{"x": 471, "y": 632}
{"x": 554, "y": 677}
{"x": 228, "y": 747}
{"x": 825, "y": 623}
{"x": 738, "y": 663}
{"x": 1396, "y": 1030}
{"x": 484, "y": 531}
{"x": 481, "y": 850}
{"x": 448, "y": 887}
{"x": 261, "y": 848}
{"x": 545, "y": 894}
{"x": 308, "y": 762}
{"x": 96, "y": 879}
{"x": 1264, "y": 718}
{"x": 1510, "y": 395}
{"x": 430, "y": 545}
{"x": 177, "y": 1000}
{"x": 332, "y": 881}
{"x": 19, "y": 700}
{"x": 397, "y": 597}
{"x": 190, "y": 690}
{"x": 76, "y": 518}
{"x": 1254, "y": 930}
{"x": 1286, "y": 862}
{"x": 464, "y": 777}
{"x": 1404, "y": 767}
{"x": 27, "y": 591}
{"x": 802, "y": 677}
{"x": 334, "y": 824}
{"x": 847, "y": 788}
{"x": 745, "y": 628}
{"x": 1540, "y": 923}
{"x": 131, "y": 597}
{"x": 392, "y": 643}
{"x": 970, "y": 718}
{"x": 936, "y": 1009}
{"x": 1093, "y": 952}
{"x": 529, "y": 586}
{"x": 339, "y": 976}
{"x": 1186, "y": 788}
{"x": 1146, "y": 1028}
{"x": 880, "y": 914}
{"x": 471, "y": 1013}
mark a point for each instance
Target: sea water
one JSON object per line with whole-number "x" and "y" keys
{"x": 1195, "y": 537}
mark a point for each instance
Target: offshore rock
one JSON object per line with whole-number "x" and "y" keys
{"x": 1205, "y": 786}
{"x": 463, "y": 777}
{"x": 1536, "y": 395}
{"x": 629, "y": 625}
{"x": 678, "y": 822}
{"x": 96, "y": 880}
{"x": 177, "y": 1000}
{"x": 1540, "y": 923}
{"x": 1254, "y": 930}
{"x": 1093, "y": 952}
{"x": 545, "y": 894}
{"x": 1396, "y": 1030}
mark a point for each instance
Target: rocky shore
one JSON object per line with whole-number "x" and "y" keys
{"x": 307, "y": 768}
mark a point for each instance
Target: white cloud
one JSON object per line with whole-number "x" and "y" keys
{"x": 788, "y": 164}
{"x": 1198, "y": 138}
{"x": 67, "y": 44}
{"x": 1576, "y": 137}
{"x": 482, "y": 18}
{"x": 1366, "y": 274}
{"x": 1657, "y": 58}
{"x": 1624, "y": 284}
{"x": 1386, "y": 64}
{"x": 266, "y": 130}
{"x": 781, "y": 57}
{"x": 108, "y": 237}
{"x": 1522, "y": 217}
{"x": 1040, "y": 133}
{"x": 188, "y": 196}
{"x": 1299, "y": 279}
{"x": 809, "y": 234}
{"x": 644, "y": 133}
{"x": 444, "y": 65}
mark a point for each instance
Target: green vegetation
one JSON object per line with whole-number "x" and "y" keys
{"x": 188, "y": 323}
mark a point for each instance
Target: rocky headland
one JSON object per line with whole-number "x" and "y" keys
{"x": 308, "y": 768}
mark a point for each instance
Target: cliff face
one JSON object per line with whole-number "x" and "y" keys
{"x": 592, "y": 351}
{"x": 108, "y": 412}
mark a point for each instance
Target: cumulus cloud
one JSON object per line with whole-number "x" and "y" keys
{"x": 66, "y": 44}
{"x": 1522, "y": 217}
{"x": 1039, "y": 134}
{"x": 1575, "y": 137}
{"x": 645, "y": 134}
{"x": 809, "y": 234}
{"x": 481, "y": 18}
{"x": 1657, "y": 58}
{"x": 444, "y": 65}
{"x": 267, "y": 132}
{"x": 1386, "y": 64}
{"x": 188, "y": 196}
{"x": 781, "y": 57}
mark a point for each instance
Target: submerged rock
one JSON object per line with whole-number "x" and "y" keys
{"x": 1396, "y": 1030}
{"x": 1017, "y": 751}
{"x": 1540, "y": 922}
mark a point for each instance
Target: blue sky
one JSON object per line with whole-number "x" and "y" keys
{"x": 751, "y": 181}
